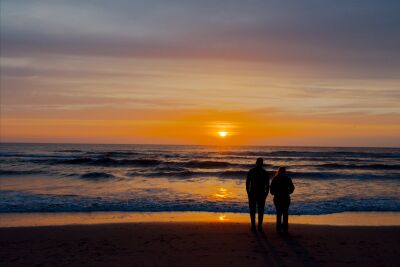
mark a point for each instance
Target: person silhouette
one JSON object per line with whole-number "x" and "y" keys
{"x": 281, "y": 188}
{"x": 257, "y": 187}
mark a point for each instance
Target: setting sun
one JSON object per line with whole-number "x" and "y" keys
{"x": 222, "y": 134}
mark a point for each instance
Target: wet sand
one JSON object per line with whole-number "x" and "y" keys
{"x": 198, "y": 244}
{"x": 68, "y": 218}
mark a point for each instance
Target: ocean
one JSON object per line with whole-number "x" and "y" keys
{"x": 154, "y": 178}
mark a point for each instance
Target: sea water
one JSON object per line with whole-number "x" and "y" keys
{"x": 152, "y": 178}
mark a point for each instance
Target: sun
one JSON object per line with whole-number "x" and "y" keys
{"x": 223, "y": 134}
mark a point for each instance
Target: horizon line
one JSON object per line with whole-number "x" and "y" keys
{"x": 155, "y": 144}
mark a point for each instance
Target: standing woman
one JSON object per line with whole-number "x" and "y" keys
{"x": 281, "y": 188}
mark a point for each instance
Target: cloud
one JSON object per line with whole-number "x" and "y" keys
{"x": 339, "y": 35}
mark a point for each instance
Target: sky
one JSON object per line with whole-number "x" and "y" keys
{"x": 305, "y": 73}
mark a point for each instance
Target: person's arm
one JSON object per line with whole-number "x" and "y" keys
{"x": 290, "y": 185}
{"x": 248, "y": 182}
{"x": 266, "y": 184}
{"x": 272, "y": 187}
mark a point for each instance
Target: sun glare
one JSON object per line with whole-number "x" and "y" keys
{"x": 222, "y": 134}
{"x": 222, "y": 218}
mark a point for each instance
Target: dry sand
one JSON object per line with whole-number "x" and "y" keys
{"x": 198, "y": 244}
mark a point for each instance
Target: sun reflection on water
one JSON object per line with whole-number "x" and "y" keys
{"x": 222, "y": 193}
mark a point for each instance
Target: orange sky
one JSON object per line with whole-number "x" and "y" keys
{"x": 267, "y": 73}
{"x": 201, "y": 127}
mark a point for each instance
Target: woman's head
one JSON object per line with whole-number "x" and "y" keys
{"x": 281, "y": 171}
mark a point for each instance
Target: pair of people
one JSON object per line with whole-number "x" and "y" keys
{"x": 258, "y": 187}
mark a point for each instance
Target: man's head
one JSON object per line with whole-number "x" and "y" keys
{"x": 259, "y": 162}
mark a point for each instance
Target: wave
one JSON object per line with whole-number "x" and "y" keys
{"x": 242, "y": 174}
{"x": 209, "y": 164}
{"x": 69, "y": 151}
{"x": 106, "y": 161}
{"x": 117, "y": 154}
{"x": 73, "y": 161}
{"x": 13, "y": 201}
{"x": 315, "y": 154}
{"x": 15, "y": 172}
{"x": 233, "y": 174}
{"x": 206, "y": 164}
{"x": 191, "y": 174}
{"x": 142, "y": 162}
{"x": 97, "y": 176}
{"x": 171, "y": 174}
{"x": 359, "y": 166}
{"x": 169, "y": 168}
{"x": 40, "y": 156}
{"x": 334, "y": 176}
{"x": 121, "y": 154}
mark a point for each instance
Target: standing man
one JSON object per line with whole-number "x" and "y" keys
{"x": 257, "y": 187}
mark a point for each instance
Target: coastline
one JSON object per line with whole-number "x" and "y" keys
{"x": 90, "y": 218}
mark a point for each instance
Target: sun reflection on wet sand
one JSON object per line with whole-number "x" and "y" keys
{"x": 41, "y": 219}
{"x": 223, "y": 218}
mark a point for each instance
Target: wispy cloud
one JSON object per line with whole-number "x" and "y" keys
{"x": 342, "y": 34}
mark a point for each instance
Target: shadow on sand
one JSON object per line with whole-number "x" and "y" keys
{"x": 271, "y": 254}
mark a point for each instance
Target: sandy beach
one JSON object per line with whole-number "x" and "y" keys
{"x": 198, "y": 244}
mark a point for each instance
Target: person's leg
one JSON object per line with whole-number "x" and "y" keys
{"x": 286, "y": 215}
{"x": 278, "y": 215}
{"x": 252, "y": 208}
{"x": 260, "y": 206}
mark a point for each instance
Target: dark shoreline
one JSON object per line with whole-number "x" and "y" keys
{"x": 198, "y": 244}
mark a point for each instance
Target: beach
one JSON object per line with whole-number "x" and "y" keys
{"x": 198, "y": 244}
